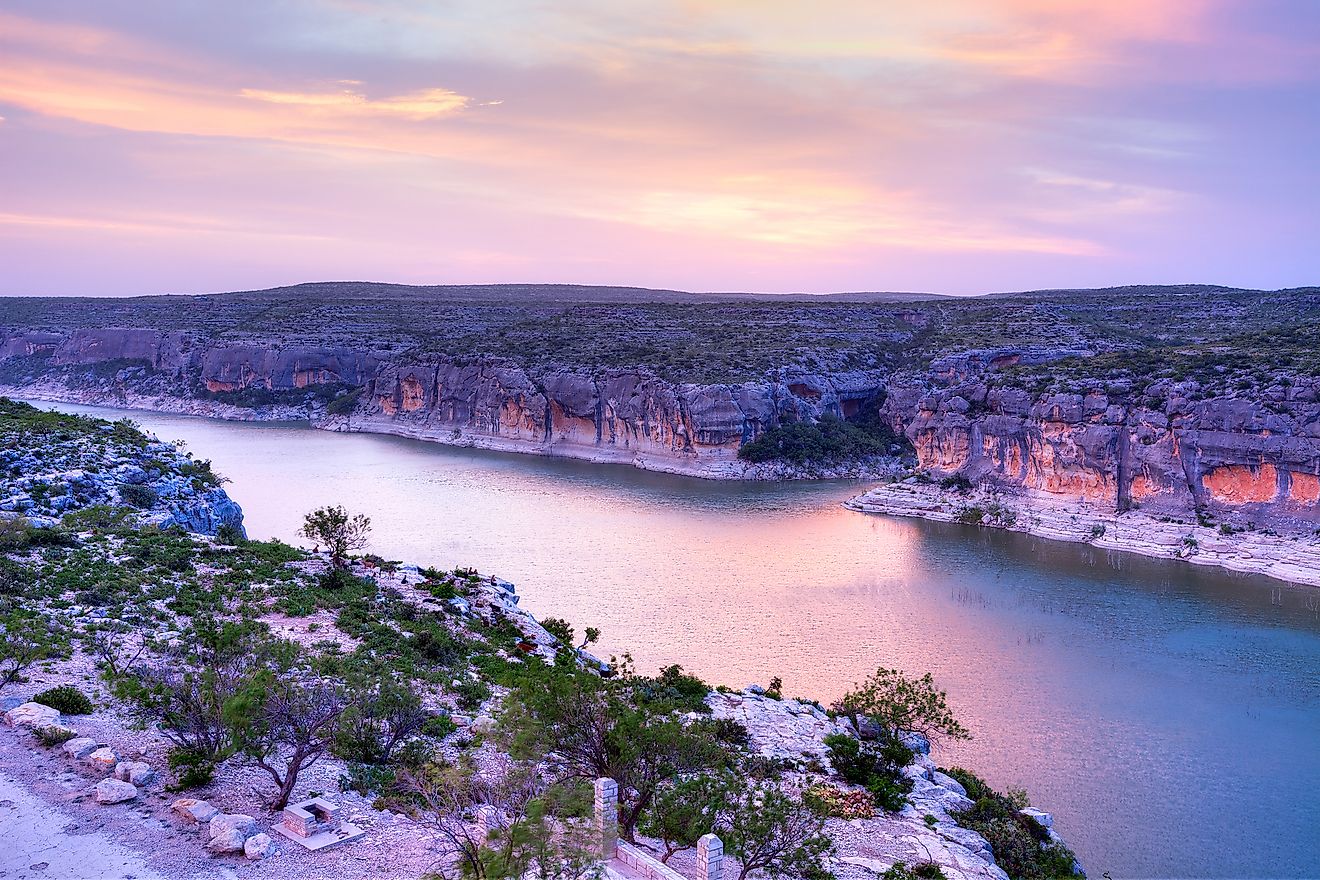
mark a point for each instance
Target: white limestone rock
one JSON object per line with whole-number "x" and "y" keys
{"x": 230, "y": 831}
{"x": 196, "y": 811}
{"x": 112, "y": 791}
{"x": 80, "y": 747}
{"x": 229, "y": 840}
{"x": 136, "y": 772}
{"x": 103, "y": 758}
{"x": 33, "y": 715}
{"x": 258, "y": 846}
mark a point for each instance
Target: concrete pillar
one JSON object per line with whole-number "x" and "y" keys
{"x": 710, "y": 858}
{"x": 607, "y": 816}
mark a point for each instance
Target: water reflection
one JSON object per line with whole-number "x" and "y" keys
{"x": 1139, "y": 699}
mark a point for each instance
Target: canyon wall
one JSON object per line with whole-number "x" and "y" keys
{"x": 621, "y": 415}
{"x": 1169, "y": 448}
{"x": 1166, "y": 449}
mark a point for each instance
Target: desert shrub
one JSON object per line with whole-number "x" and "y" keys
{"x": 972, "y": 515}
{"x": 731, "y": 732}
{"x": 66, "y": 698}
{"x": 470, "y": 693}
{"x": 142, "y": 497}
{"x": 344, "y": 403}
{"x": 192, "y": 768}
{"x": 53, "y": 736}
{"x": 919, "y": 871}
{"x": 828, "y": 440}
{"x": 956, "y": 482}
{"x": 876, "y": 766}
{"x": 1022, "y": 847}
{"x": 672, "y": 689}
{"x": 897, "y": 704}
{"x": 836, "y": 803}
{"x": 229, "y": 534}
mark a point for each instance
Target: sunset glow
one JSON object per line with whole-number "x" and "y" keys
{"x": 962, "y": 146}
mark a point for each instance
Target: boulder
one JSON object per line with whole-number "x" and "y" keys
{"x": 1044, "y": 819}
{"x": 193, "y": 810}
{"x": 80, "y": 747}
{"x": 229, "y": 840}
{"x": 258, "y": 846}
{"x": 944, "y": 780}
{"x": 32, "y": 715}
{"x": 230, "y": 831}
{"x": 112, "y": 791}
{"x": 136, "y": 772}
{"x": 483, "y": 724}
{"x": 103, "y": 758}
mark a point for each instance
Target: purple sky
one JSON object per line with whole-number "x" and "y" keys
{"x": 152, "y": 146}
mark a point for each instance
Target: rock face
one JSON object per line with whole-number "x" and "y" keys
{"x": 625, "y": 415}
{"x": 89, "y": 463}
{"x": 1170, "y": 447}
{"x": 1167, "y": 448}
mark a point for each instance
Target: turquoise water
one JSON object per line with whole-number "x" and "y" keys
{"x": 1169, "y": 716}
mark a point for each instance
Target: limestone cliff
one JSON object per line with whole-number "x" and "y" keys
{"x": 1168, "y": 448}
{"x": 1179, "y": 448}
{"x": 624, "y": 415}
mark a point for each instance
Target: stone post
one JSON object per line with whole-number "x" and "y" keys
{"x": 710, "y": 858}
{"x": 607, "y": 816}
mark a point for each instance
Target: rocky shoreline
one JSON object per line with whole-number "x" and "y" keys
{"x": 1292, "y": 557}
{"x": 53, "y": 785}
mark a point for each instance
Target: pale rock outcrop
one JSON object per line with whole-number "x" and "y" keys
{"x": 32, "y": 715}
{"x": 194, "y": 811}
{"x": 230, "y": 831}
{"x": 258, "y": 846}
{"x": 103, "y": 758}
{"x": 136, "y": 772}
{"x": 113, "y": 791}
{"x": 80, "y": 747}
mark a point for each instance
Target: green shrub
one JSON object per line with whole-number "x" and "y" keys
{"x": 53, "y": 736}
{"x": 230, "y": 535}
{"x": 66, "y": 698}
{"x": 919, "y": 871}
{"x": 956, "y": 482}
{"x": 830, "y": 440}
{"x": 877, "y": 767}
{"x": 192, "y": 768}
{"x": 141, "y": 497}
{"x": 1022, "y": 847}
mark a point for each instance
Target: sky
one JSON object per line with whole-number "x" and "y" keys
{"x": 957, "y": 146}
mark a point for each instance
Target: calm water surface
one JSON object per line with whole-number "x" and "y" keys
{"x": 1168, "y": 716}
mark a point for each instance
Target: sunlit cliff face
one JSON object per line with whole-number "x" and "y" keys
{"x": 972, "y": 145}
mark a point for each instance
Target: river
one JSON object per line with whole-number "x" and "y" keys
{"x": 1169, "y": 716}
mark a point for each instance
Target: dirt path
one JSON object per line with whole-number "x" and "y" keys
{"x": 37, "y": 847}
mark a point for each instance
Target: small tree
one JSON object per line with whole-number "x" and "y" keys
{"x": 587, "y": 728}
{"x": 779, "y": 836}
{"x": 898, "y": 704}
{"x": 188, "y": 689}
{"x": 285, "y": 725}
{"x": 340, "y": 532}
{"x": 684, "y": 811}
{"x": 525, "y": 839}
{"x": 380, "y": 717}
{"x": 25, "y": 638}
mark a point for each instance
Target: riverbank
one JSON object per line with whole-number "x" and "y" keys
{"x": 720, "y": 464}
{"x": 1293, "y": 558}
